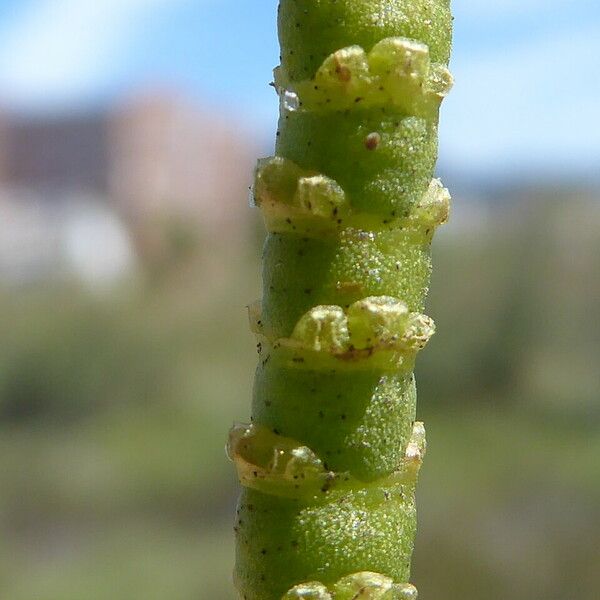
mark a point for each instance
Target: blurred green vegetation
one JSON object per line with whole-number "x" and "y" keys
{"x": 114, "y": 409}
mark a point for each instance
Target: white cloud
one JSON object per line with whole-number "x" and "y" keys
{"x": 52, "y": 50}
{"x": 533, "y": 103}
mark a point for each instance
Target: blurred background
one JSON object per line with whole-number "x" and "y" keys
{"x": 128, "y": 135}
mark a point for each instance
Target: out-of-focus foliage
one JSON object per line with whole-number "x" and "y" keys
{"x": 113, "y": 413}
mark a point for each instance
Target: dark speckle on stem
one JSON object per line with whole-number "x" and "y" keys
{"x": 372, "y": 141}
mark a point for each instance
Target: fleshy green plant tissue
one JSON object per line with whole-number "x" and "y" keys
{"x": 330, "y": 461}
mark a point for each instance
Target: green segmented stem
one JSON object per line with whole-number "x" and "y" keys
{"x": 330, "y": 461}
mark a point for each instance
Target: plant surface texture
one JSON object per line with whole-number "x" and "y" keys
{"x": 330, "y": 460}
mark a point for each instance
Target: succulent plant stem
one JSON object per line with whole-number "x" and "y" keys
{"x": 329, "y": 463}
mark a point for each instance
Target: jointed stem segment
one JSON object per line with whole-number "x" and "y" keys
{"x": 330, "y": 461}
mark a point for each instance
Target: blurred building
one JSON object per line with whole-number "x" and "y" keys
{"x": 135, "y": 182}
{"x": 49, "y": 155}
{"x": 175, "y": 166}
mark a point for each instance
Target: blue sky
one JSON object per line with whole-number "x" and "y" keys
{"x": 528, "y": 75}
